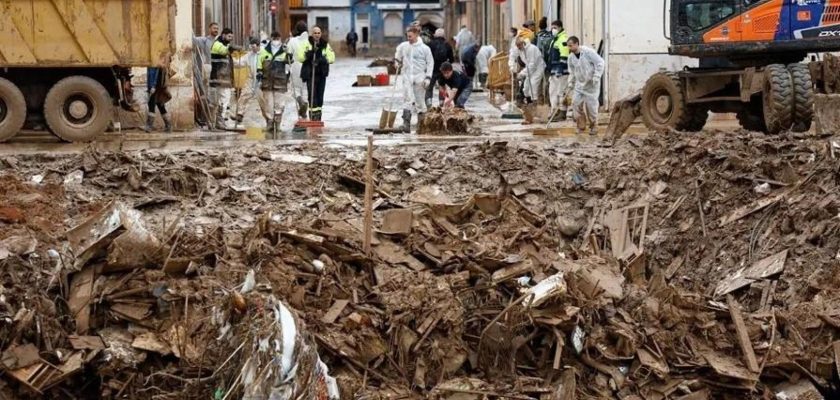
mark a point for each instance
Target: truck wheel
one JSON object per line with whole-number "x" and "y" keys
{"x": 803, "y": 97}
{"x": 12, "y": 110}
{"x": 78, "y": 109}
{"x": 664, "y": 107}
{"x": 777, "y": 98}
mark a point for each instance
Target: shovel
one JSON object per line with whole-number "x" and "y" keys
{"x": 388, "y": 115}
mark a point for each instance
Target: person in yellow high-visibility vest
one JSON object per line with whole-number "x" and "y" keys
{"x": 220, "y": 76}
{"x": 275, "y": 79}
{"x": 316, "y": 56}
{"x": 558, "y": 69}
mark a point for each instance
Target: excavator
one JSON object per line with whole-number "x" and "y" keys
{"x": 751, "y": 55}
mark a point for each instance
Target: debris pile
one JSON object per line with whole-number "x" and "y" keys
{"x": 449, "y": 121}
{"x": 677, "y": 267}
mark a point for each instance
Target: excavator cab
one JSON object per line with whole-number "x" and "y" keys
{"x": 754, "y": 31}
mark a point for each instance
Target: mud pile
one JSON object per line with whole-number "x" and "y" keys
{"x": 451, "y": 121}
{"x": 691, "y": 267}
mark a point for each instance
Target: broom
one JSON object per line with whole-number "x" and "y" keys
{"x": 512, "y": 112}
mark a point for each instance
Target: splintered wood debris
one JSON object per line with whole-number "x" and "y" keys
{"x": 496, "y": 270}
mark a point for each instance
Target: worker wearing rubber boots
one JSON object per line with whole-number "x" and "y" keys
{"x": 586, "y": 68}
{"x": 558, "y": 70}
{"x": 254, "y": 60}
{"x": 301, "y": 37}
{"x": 316, "y": 55}
{"x": 275, "y": 80}
{"x": 531, "y": 76}
{"x": 156, "y": 79}
{"x": 220, "y": 76}
{"x": 417, "y": 63}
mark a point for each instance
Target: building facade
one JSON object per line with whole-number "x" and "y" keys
{"x": 381, "y": 24}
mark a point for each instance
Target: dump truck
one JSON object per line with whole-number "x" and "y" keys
{"x": 752, "y": 62}
{"x": 65, "y": 64}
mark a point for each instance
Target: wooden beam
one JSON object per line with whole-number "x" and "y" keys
{"x": 742, "y": 334}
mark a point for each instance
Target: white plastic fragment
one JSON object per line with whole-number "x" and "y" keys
{"x": 250, "y": 282}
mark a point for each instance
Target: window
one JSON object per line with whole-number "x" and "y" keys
{"x": 324, "y": 24}
{"x": 702, "y": 15}
{"x": 393, "y": 25}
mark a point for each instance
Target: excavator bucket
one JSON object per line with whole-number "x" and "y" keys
{"x": 624, "y": 112}
{"x": 827, "y": 113}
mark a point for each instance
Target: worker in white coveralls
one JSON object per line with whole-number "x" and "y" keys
{"x": 299, "y": 90}
{"x": 531, "y": 76}
{"x": 416, "y": 62}
{"x": 252, "y": 89}
{"x": 482, "y": 61}
{"x": 586, "y": 68}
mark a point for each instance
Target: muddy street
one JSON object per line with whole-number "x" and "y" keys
{"x": 668, "y": 266}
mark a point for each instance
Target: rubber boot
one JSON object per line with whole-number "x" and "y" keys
{"x": 278, "y": 121}
{"x": 303, "y": 107}
{"x": 167, "y": 123}
{"x": 316, "y": 115}
{"x": 406, "y": 126}
{"x": 150, "y": 122}
{"x": 269, "y": 125}
{"x": 420, "y": 118}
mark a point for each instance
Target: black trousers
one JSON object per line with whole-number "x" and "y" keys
{"x": 152, "y": 104}
{"x": 317, "y": 93}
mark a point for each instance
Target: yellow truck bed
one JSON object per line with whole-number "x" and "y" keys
{"x": 85, "y": 33}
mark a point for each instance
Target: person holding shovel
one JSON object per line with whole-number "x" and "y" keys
{"x": 417, "y": 65}
{"x": 316, "y": 55}
{"x": 586, "y": 68}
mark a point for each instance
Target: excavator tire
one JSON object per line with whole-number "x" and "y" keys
{"x": 803, "y": 97}
{"x": 778, "y": 98}
{"x": 664, "y": 107}
{"x": 699, "y": 116}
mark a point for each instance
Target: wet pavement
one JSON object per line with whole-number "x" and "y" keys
{"x": 348, "y": 112}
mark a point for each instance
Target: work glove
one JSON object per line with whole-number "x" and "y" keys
{"x": 523, "y": 74}
{"x": 152, "y": 91}
{"x": 512, "y": 70}
{"x": 426, "y": 83}
{"x": 567, "y": 101}
{"x": 259, "y": 77}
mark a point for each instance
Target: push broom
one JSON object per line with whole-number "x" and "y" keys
{"x": 512, "y": 112}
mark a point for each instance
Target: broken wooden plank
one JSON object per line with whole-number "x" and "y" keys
{"x": 742, "y": 334}
{"x": 762, "y": 269}
{"x": 748, "y": 209}
{"x": 86, "y": 342}
{"x": 334, "y": 311}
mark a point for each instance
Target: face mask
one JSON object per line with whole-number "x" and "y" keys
{"x": 275, "y": 43}
{"x": 555, "y": 31}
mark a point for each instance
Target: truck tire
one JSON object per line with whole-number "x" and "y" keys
{"x": 664, "y": 107}
{"x": 803, "y": 97}
{"x": 12, "y": 110}
{"x": 78, "y": 109}
{"x": 777, "y": 98}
